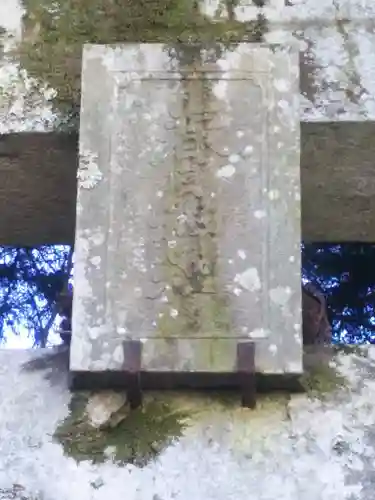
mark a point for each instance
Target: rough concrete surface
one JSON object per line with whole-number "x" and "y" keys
{"x": 289, "y": 448}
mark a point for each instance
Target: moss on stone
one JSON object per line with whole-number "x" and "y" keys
{"x": 55, "y": 31}
{"x": 129, "y": 436}
{"x": 322, "y": 379}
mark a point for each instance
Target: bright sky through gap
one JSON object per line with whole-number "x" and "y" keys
{"x": 25, "y": 340}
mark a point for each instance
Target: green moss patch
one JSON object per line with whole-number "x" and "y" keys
{"x": 322, "y": 379}
{"x": 131, "y": 436}
{"x": 55, "y": 31}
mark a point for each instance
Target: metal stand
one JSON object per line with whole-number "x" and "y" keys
{"x": 245, "y": 370}
{"x": 132, "y": 367}
{"x": 246, "y": 373}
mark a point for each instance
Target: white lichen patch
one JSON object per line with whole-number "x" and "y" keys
{"x": 118, "y": 355}
{"x": 280, "y": 295}
{"x": 295, "y": 367}
{"x": 282, "y": 85}
{"x": 259, "y": 333}
{"x": 97, "y": 237}
{"x": 241, "y": 254}
{"x": 283, "y": 105}
{"x": 88, "y": 174}
{"x": 234, "y": 158}
{"x": 273, "y": 194}
{"x": 249, "y": 279}
{"x": 273, "y": 349}
{"x": 298, "y": 338}
{"x": 173, "y": 313}
{"x": 95, "y": 261}
{"x": 121, "y": 330}
{"x": 182, "y": 218}
{"x": 226, "y": 172}
{"x": 247, "y": 151}
{"x": 260, "y": 214}
{"x": 220, "y": 89}
{"x": 139, "y": 261}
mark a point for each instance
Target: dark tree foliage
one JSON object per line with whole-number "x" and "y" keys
{"x": 346, "y": 274}
{"x": 31, "y": 280}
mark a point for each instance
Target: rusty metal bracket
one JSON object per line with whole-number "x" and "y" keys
{"x": 246, "y": 373}
{"x": 132, "y": 368}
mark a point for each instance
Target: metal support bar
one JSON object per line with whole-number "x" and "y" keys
{"x": 132, "y": 368}
{"x": 246, "y": 373}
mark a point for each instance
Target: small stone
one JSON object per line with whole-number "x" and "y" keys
{"x": 341, "y": 447}
{"x": 97, "y": 483}
{"x": 102, "y": 406}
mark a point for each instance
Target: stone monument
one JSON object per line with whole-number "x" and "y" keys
{"x": 187, "y": 252}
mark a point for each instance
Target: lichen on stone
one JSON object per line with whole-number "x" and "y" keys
{"x": 127, "y": 436}
{"x": 16, "y": 492}
{"x": 88, "y": 174}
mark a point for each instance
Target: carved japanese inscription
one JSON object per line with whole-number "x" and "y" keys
{"x": 190, "y": 240}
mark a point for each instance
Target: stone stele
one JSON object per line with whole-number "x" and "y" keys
{"x": 188, "y": 211}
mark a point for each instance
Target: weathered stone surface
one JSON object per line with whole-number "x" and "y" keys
{"x": 289, "y": 448}
{"x": 188, "y": 216}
